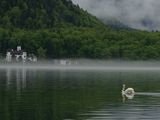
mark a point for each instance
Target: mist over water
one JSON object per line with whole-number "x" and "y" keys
{"x": 87, "y": 64}
{"x": 140, "y": 14}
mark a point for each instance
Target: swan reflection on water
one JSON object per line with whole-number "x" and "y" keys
{"x": 127, "y": 93}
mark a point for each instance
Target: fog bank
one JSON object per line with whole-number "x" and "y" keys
{"x": 141, "y": 14}
{"x": 86, "y": 64}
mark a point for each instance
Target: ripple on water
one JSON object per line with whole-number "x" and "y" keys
{"x": 138, "y": 109}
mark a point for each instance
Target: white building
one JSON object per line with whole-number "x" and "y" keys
{"x": 16, "y": 55}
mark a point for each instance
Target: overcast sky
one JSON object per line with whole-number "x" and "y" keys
{"x": 141, "y": 14}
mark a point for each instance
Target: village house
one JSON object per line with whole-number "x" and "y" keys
{"x": 19, "y": 55}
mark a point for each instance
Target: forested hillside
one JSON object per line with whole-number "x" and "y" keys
{"x": 60, "y": 29}
{"x": 37, "y": 14}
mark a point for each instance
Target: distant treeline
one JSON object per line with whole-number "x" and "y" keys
{"x": 76, "y": 42}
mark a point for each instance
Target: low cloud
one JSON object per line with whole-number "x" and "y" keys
{"x": 140, "y": 14}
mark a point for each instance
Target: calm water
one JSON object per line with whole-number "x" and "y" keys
{"x": 30, "y": 94}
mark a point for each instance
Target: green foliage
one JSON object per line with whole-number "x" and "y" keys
{"x": 41, "y": 52}
{"x": 73, "y": 42}
{"x": 38, "y": 14}
{"x": 59, "y": 29}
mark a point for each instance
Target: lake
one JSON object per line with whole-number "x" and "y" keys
{"x": 78, "y": 94}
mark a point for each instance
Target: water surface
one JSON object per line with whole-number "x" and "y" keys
{"x": 72, "y": 94}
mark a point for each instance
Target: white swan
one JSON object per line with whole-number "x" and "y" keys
{"x": 129, "y": 92}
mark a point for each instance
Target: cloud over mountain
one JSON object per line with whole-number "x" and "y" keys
{"x": 141, "y": 14}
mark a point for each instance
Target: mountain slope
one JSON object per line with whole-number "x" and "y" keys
{"x": 36, "y": 14}
{"x": 115, "y": 24}
{"x": 60, "y": 29}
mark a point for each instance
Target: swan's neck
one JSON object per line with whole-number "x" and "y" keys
{"x": 123, "y": 89}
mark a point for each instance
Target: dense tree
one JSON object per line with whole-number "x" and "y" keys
{"x": 60, "y": 29}
{"x": 37, "y": 14}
